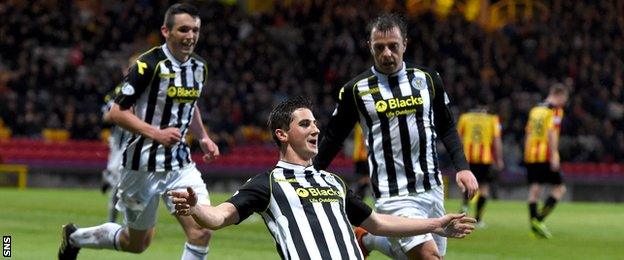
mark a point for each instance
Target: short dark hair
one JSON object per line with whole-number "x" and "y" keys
{"x": 386, "y": 22}
{"x": 180, "y": 8}
{"x": 281, "y": 115}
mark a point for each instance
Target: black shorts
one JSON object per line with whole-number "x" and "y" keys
{"x": 482, "y": 172}
{"x": 361, "y": 168}
{"x": 541, "y": 173}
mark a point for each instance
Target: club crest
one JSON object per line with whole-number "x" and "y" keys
{"x": 199, "y": 76}
{"x": 418, "y": 83}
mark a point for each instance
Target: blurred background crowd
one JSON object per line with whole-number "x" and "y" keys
{"x": 60, "y": 57}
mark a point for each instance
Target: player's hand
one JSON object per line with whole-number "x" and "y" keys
{"x": 500, "y": 165}
{"x": 210, "y": 149}
{"x": 467, "y": 182}
{"x": 555, "y": 165}
{"x": 456, "y": 225}
{"x": 168, "y": 136}
{"x": 185, "y": 201}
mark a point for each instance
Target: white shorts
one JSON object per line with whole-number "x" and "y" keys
{"x": 139, "y": 193}
{"x": 429, "y": 204}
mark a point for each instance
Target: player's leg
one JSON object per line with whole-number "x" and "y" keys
{"x": 550, "y": 202}
{"x": 134, "y": 238}
{"x": 139, "y": 204}
{"x": 196, "y": 246}
{"x": 536, "y": 174}
{"x": 425, "y": 205}
{"x": 436, "y": 210}
{"x": 426, "y": 250}
{"x": 557, "y": 192}
{"x": 465, "y": 207}
{"x": 534, "y": 189}
{"x": 369, "y": 242}
{"x": 484, "y": 178}
{"x": 484, "y": 193}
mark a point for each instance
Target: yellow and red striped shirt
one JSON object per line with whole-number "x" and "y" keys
{"x": 542, "y": 119}
{"x": 477, "y": 131}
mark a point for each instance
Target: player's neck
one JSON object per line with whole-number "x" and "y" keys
{"x": 292, "y": 157}
{"x": 179, "y": 56}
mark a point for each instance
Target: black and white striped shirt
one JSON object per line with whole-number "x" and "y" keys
{"x": 402, "y": 116}
{"x": 308, "y": 212}
{"x": 163, "y": 92}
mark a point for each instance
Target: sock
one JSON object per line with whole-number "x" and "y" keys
{"x": 194, "y": 252}
{"x": 480, "y": 206}
{"x": 102, "y": 236}
{"x": 465, "y": 201}
{"x": 549, "y": 205}
{"x": 381, "y": 244}
{"x": 533, "y": 209}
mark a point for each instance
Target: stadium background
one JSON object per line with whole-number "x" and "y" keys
{"x": 59, "y": 58}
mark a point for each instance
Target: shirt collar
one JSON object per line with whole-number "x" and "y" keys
{"x": 173, "y": 59}
{"x": 296, "y": 167}
{"x": 382, "y": 75}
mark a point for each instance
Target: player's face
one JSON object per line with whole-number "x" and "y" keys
{"x": 561, "y": 100}
{"x": 387, "y": 49}
{"x": 181, "y": 39}
{"x": 303, "y": 134}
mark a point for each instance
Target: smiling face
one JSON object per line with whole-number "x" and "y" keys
{"x": 387, "y": 48}
{"x": 182, "y": 36}
{"x": 300, "y": 140}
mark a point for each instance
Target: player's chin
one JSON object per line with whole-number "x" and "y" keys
{"x": 311, "y": 152}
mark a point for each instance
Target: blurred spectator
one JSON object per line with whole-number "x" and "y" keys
{"x": 64, "y": 55}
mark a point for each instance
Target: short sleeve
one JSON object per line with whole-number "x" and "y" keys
{"x": 252, "y": 197}
{"x": 135, "y": 83}
{"x": 357, "y": 210}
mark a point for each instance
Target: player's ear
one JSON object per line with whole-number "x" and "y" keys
{"x": 281, "y": 135}
{"x": 164, "y": 31}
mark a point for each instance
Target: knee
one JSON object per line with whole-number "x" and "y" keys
{"x": 138, "y": 247}
{"x": 199, "y": 236}
{"x": 430, "y": 255}
{"x": 424, "y": 251}
{"x": 136, "y": 244}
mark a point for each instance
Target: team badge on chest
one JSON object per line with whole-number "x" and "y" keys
{"x": 199, "y": 76}
{"x": 418, "y": 83}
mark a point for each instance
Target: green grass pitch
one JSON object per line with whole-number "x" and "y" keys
{"x": 581, "y": 230}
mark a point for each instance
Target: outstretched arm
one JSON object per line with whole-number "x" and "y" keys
{"x": 207, "y": 216}
{"x": 450, "y": 225}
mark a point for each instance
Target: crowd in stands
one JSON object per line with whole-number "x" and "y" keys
{"x": 60, "y": 57}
